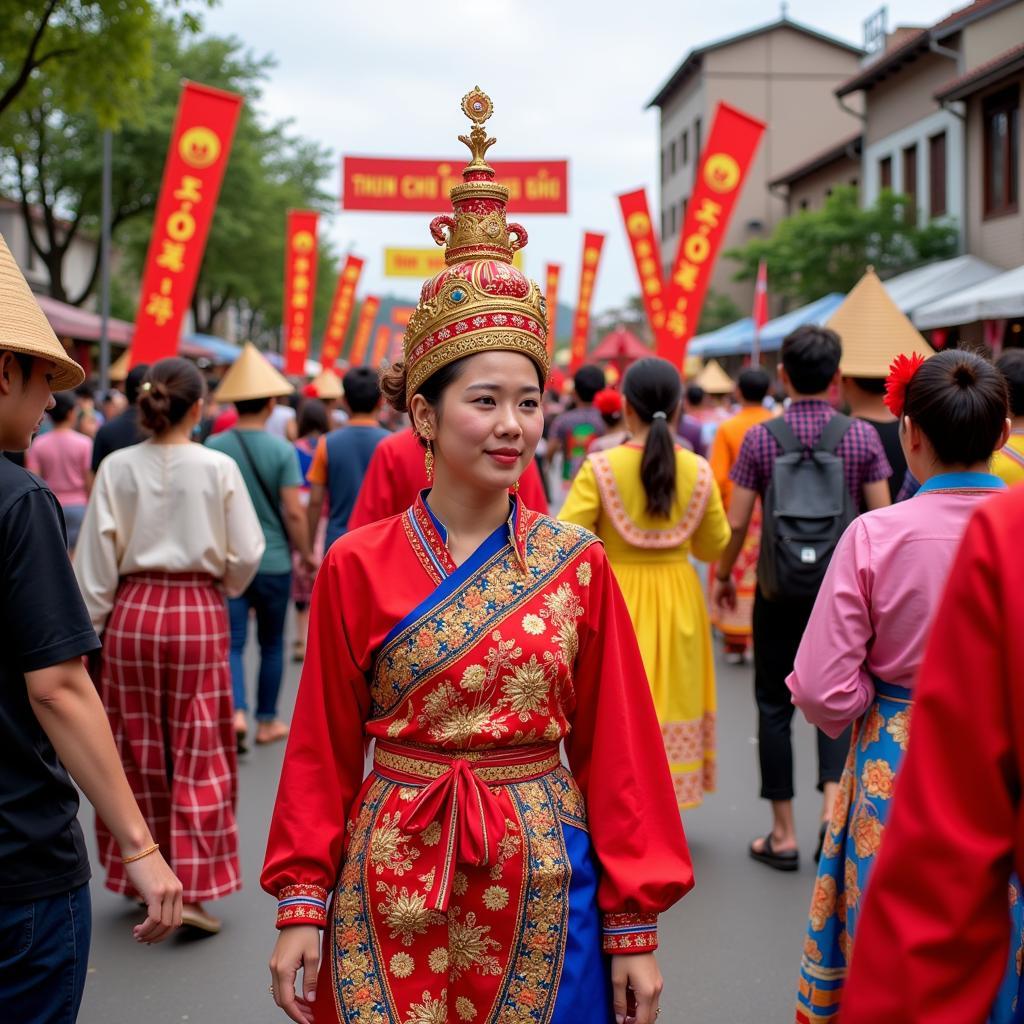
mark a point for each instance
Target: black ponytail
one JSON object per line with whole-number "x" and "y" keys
{"x": 653, "y": 388}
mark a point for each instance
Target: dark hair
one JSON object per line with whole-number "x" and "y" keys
{"x": 362, "y": 389}
{"x": 694, "y": 394}
{"x": 64, "y": 406}
{"x": 811, "y": 355}
{"x": 132, "y": 383}
{"x": 86, "y": 390}
{"x": 872, "y": 385}
{"x": 393, "y": 380}
{"x": 26, "y": 364}
{"x": 1011, "y": 366}
{"x": 175, "y": 385}
{"x": 652, "y": 386}
{"x": 251, "y": 406}
{"x": 754, "y": 384}
{"x": 960, "y": 402}
{"x": 588, "y": 381}
{"x": 313, "y": 417}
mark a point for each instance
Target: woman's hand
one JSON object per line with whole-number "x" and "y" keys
{"x": 637, "y": 976}
{"x": 298, "y": 946}
{"x": 160, "y": 888}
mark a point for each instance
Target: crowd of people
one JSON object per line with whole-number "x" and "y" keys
{"x": 539, "y": 688}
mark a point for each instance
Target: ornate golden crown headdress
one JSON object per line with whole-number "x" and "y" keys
{"x": 479, "y": 302}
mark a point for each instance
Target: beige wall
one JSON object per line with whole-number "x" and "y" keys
{"x": 813, "y": 189}
{"x": 907, "y": 97}
{"x": 988, "y": 37}
{"x": 1000, "y": 240}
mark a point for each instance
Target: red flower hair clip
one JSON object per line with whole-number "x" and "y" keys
{"x": 901, "y": 371}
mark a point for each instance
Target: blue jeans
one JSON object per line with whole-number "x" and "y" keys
{"x": 268, "y": 595}
{"x": 44, "y": 956}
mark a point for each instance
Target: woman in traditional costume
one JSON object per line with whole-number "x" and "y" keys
{"x": 170, "y": 530}
{"x": 475, "y": 879}
{"x": 866, "y": 637}
{"x": 654, "y": 504}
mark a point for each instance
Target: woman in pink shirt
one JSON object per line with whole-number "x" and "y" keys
{"x": 867, "y": 633}
{"x": 63, "y": 458}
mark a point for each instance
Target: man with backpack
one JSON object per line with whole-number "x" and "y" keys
{"x": 814, "y": 470}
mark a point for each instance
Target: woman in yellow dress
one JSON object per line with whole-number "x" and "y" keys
{"x": 654, "y": 504}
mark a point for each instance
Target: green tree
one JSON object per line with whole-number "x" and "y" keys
{"x": 718, "y": 310}
{"x": 816, "y": 252}
{"x": 92, "y": 54}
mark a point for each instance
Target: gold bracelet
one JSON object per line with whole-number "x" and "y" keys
{"x": 142, "y": 853}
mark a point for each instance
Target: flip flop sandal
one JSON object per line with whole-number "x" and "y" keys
{"x": 785, "y": 860}
{"x": 200, "y": 921}
{"x": 241, "y": 744}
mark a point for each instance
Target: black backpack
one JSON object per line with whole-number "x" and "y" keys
{"x": 806, "y": 509}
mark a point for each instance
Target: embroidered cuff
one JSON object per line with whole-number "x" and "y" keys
{"x": 630, "y": 933}
{"x": 302, "y": 904}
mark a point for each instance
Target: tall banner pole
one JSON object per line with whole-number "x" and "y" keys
{"x": 300, "y": 255}
{"x": 341, "y": 312}
{"x": 592, "y": 243}
{"x": 197, "y": 157}
{"x": 723, "y": 166}
{"x": 551, "y": 275}
{"x": 364, "y": 326}
{"x": 643, "y": 242}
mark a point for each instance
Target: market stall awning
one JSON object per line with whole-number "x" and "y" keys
{"x": 920, "y": 287}
{"x": 619, "y": 344}
{"x": 998, "y": 297}
{"x": 71, "y": 322}
{"x": 723, "y": 341}
{"x": 221, "y": 351}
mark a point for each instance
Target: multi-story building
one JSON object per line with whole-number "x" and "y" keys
{"x": 784, "y": 74}
{"x": 807, "y": 185}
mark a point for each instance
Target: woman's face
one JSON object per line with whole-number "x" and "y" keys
{"x": 488, "y": 422}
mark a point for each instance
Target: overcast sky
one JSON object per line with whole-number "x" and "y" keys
{"x": 385, "y": 78}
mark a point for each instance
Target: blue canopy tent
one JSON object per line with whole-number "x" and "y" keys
{"x": 222, "y": 351}
{"x": 724, "y": 341}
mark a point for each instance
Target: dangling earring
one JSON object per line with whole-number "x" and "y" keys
{"x": 515, "y": 487}
{"x": 428, "y": 458}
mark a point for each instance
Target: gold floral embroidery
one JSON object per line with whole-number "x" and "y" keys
{"x": 460, "y": 883}
{"x": 470, "y": 945}
{"x": 402, "y": 965}
{"x": 465, "y": 1009}
{"x": 563, "y": 608}
{"x": 495, "y": 897}
{"x": 438, "y": 960}
{"x": 878, "y": 778}
{"x": 823, "y": 902}
{"x": 584, "y": 573}
{"x": 534, "y": 625}
{"x": 431, "y": 835}
{"x": 508, "y": 847}
{"x": 430, "y": 1011}
{"x": 473, "y": 678}
{"x": 406, "y": 912}
{"x": 399, "y": 725}
{"x": 390, "y": 846}
{"x": 898, "y": 727}
{"x": 526, "y": 688}
{"x": 428, "y": 880}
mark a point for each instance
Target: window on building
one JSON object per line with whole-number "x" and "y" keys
{"x": 1001, "y": 114}
{"x": 672, "y": 220}
{"x": 885, "y": 172}
{"x": 855, "y": 183}
{"x": 664, "y": 164}
{"x": 803, "y": 204}
{"x": 909, "y": 188}
{"x": 937, "y": 175}
{"x": 682, "y": 212}
{"x": 672, "y": 158}
{"x": 696, "y": 139}
{"x": 686, "y": 147}
{"x": 664, "y": 224}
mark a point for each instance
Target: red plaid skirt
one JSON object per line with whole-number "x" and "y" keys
{"x": 167, "y": 689}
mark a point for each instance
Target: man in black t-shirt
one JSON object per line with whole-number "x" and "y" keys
{"x": 52, "y": 724}
{"x": 124, "y": 429}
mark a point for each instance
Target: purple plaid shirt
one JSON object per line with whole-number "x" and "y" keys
{"x": 861, "y": 450}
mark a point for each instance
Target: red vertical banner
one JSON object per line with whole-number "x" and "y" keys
{"x": 592, "y": 244}
{"x": 381, "y": 339}
{"x": 364, "y": 327}
{"x": 551, "y": 276}
{"x": 636, "y": 215}
{"x": 197, "y": 157}
{"x": 723, "y": 166}
{"x": 299, "y": 288}
{"x": 341, "y": 311}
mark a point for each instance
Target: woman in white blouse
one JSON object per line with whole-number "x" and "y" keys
{"x": 169, "y": 532}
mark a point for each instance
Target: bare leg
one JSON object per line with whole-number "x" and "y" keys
{"x": 783, "y": 828}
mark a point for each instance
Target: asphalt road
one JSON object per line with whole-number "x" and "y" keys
{"x": 729, "y": 952}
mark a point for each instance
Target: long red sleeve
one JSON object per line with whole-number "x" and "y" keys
{"x": 323, "y": 764}
{"x": 618, "y": 759}
{"x": 932, "y": 941}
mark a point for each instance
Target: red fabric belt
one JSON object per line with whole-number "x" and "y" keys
{"x": 457, "y": 795}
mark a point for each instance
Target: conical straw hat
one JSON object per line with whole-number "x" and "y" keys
{"x": 118, "y": 371}
{"x": 251, "y": 376}
{"x": 714, "y": 380}
{"x": 873, "y": 330}
{"x": 327, "y": 385}
{"x": 25, "y": 329}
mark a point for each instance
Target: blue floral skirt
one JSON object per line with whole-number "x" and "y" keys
{"x": 852, "y": 842}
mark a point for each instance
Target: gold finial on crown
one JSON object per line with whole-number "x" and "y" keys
{"x": 477, "y": 106}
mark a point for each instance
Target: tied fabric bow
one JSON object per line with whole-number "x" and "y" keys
{"x": 472, "y": 824}
{"x": 901, "y": 372}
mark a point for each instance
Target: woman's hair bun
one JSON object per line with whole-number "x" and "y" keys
{"x": 965, "y": 376}
{"x": 392, "y": 386}
{"x": 171, "y": 387}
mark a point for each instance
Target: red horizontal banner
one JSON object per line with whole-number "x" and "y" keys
{"x": 422, "y": 186}
{"x": 196, "y": 160}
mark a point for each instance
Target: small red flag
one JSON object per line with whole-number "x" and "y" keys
{"x": 761, "y": 296}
